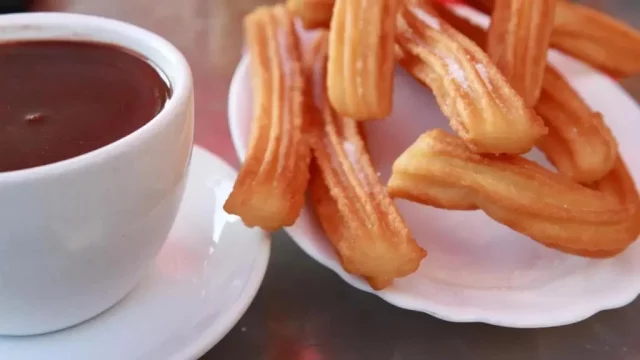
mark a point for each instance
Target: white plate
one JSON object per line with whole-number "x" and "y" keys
{"x": 478, "y": 270}
{"x": 204, "y": 279}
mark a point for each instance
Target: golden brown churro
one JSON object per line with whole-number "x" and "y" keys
{"x": 313, "y": 13}
{"x": 597, "y": 39}
{"x": 439, "y": 170}
{"x": 270, "y": 189}
{"x": 518, "y": 40}
{"x": 579, "y": 143}
{"x": 359, "y": 218}
{"x": 481, "y": 106}
{"x": 361, "y": 58}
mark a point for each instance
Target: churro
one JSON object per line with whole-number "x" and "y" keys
{"x": 270, "y": 189}
{"x": 352, "y": 206}
{"x": 578, "y": 143}
{"x": 312, "y": 13}
{"x": 361, "y": 58}
{"x": 518, "y": 40}
{"x": 479, "y": 103}
{"x": 439, "y": 170}
{"x": 596, "y": 38}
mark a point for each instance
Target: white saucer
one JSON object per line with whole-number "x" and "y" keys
{"x": 478, "y": 270}
{"x": 204, "y": 279}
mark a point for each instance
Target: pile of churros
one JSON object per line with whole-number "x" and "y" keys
{"x": 501, "y": 96}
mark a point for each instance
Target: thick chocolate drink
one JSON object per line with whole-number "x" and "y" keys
{"x": 61, "y": 99}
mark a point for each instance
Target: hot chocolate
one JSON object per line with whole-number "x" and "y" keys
{"x": 60, "y": 99}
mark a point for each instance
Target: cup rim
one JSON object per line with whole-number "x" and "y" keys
{"x": 181, "y": 88}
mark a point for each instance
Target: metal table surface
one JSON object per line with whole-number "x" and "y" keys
{"x": 303, "y": 310}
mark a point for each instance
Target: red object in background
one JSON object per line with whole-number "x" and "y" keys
{"x": 451, "y": 1}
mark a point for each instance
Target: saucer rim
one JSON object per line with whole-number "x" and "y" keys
{"x": 219, "y": 329}
{"x": 421, "y": 304}
{"x": 214, "y": 334}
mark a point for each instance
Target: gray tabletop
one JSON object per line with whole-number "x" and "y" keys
{"x": 305, "y": 311}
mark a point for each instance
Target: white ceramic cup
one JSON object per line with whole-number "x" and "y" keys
{"x": 76, "y": 235}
